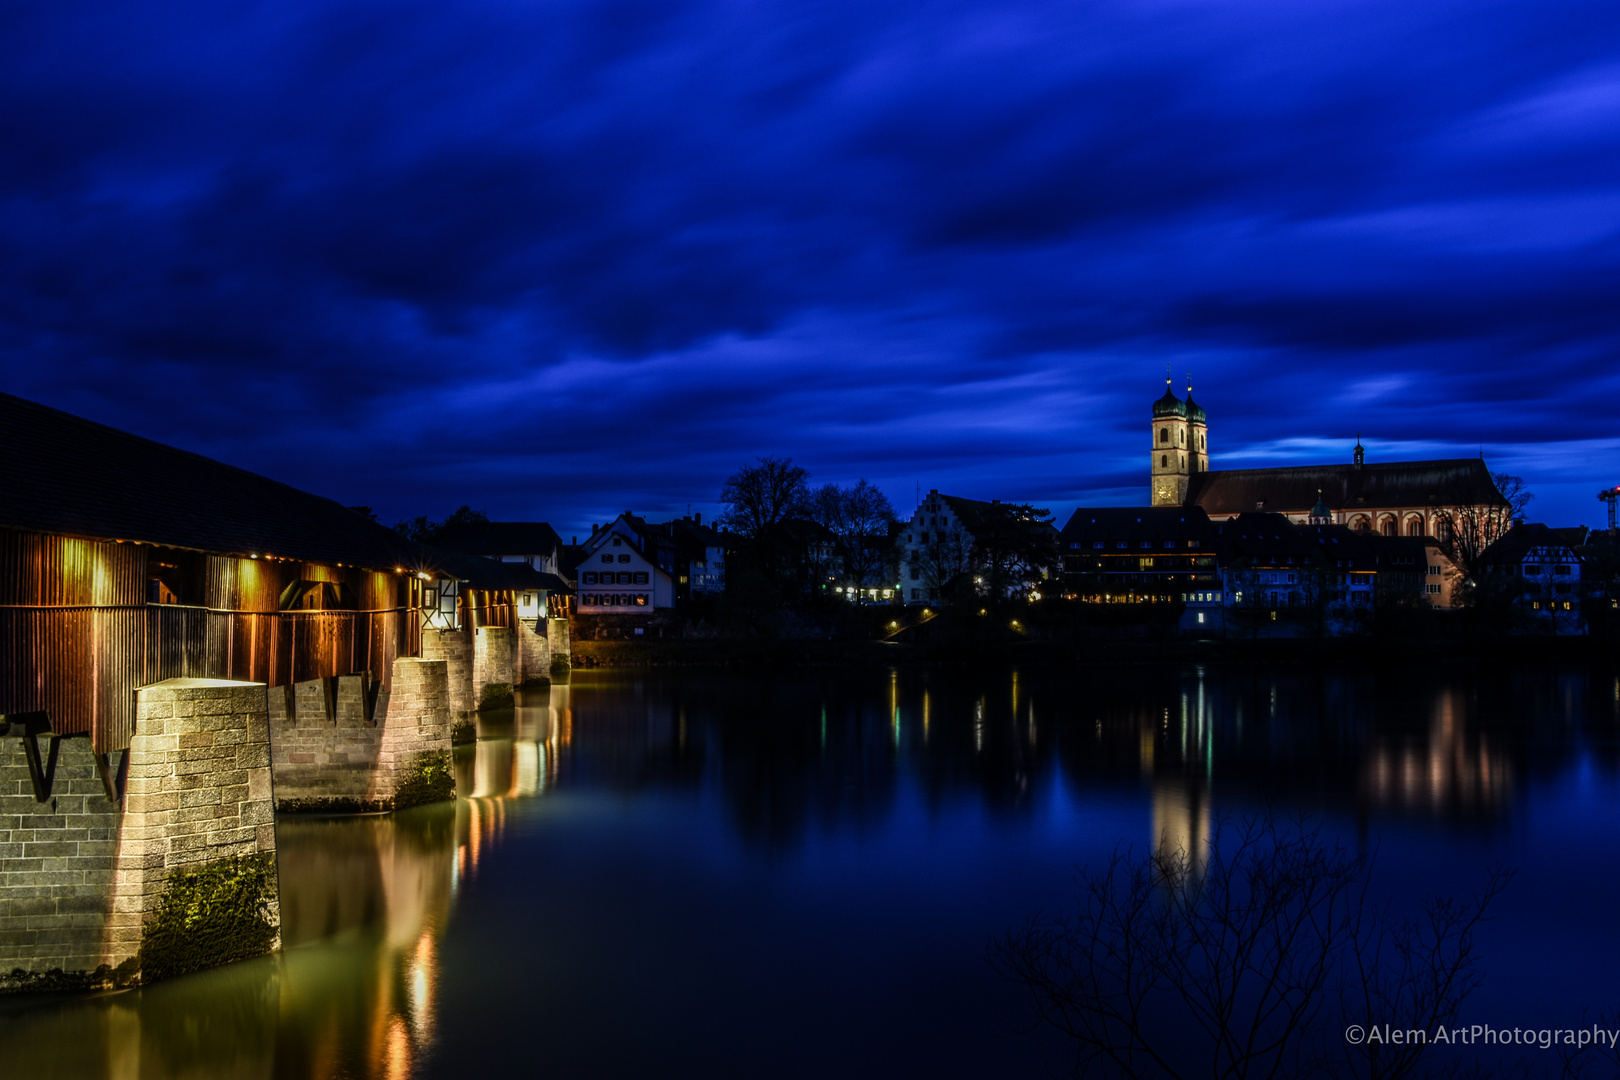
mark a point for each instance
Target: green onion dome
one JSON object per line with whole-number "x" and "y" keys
{"x": 1195, "y": 411}
{"x": 1169, "y": 405}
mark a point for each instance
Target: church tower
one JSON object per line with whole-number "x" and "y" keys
{"x": 1172, "y": 454}
{"x": 1197, "y": 435}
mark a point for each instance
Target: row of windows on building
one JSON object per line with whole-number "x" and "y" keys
{"x": 635, "y": 577}
{"x": 609, "y": 558}
{"x": 1123, "y": 545}
{"x": 614, "y": 600}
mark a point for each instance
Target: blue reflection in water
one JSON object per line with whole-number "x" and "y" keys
{"x": 796, "y": 873}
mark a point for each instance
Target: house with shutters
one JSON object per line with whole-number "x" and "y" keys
{"x": 625, "y": 569}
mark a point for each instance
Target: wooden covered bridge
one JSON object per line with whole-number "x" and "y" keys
{"x": 124, "y": 562}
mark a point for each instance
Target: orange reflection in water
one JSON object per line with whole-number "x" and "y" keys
{"x": 387, "y": 885}
{"x": 1453, "y": 768}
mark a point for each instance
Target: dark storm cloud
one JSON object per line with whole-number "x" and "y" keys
{"x": 562, "y": 259}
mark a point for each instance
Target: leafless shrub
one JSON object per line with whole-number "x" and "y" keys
{"x": 1247, "y": 961}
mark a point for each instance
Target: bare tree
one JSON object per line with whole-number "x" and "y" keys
{"x": 1515, "y": 492}
{"x": 758, "y": 498}
{"x": 1226, "y": 963}
{"x": 943, "y": 557}
{"x": 860, "y": 517}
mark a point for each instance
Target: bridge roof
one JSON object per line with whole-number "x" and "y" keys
{"x": 66, "y": 475}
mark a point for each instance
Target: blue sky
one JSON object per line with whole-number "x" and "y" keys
{"x": 561, "y": 260}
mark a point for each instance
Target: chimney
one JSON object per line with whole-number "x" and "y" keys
{"x": 593, "y": 528}
{"x": 573, "y": 541}
{"x": 697, "y": 518}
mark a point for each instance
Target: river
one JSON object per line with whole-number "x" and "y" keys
{"x": 797, "y": 872}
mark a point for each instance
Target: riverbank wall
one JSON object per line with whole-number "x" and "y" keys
{"x": 765, "y": 653}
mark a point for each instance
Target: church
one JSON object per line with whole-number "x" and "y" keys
{"x": 1398, "y": 498}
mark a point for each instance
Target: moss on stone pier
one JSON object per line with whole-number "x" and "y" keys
{"x": 429, "y": 779}
{"x": 209, "y": 915}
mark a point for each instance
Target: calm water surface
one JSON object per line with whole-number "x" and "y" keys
{"x": 797, "y": 873}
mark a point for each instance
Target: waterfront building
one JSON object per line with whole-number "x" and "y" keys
{"x": 534, "y": 544}
{"x": 950, "y": 539}
{"x": 704, "y": 550}
{"x": 1399, "y": 498}
{"x": 1269, "y": 562}
{"x": 1152, "y": 555}
{"x": 1262, "y": 563}
{"x": 626, "y": 568}
{"x": 1538, "y": 569}
{"x": 1415, "y": 567}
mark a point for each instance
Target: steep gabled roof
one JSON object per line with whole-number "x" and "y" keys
{"x": 1454, "y": 482}
{"x": 970, "y": 512}
{"x": 1518, "y": 541}
{"x": 479, "y": 572}
{"x": 63, "y": 474}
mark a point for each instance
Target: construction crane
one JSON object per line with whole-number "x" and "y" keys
{"x": 1609, "y": 495}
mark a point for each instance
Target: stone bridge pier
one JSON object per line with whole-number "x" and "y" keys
{"x": 102, "y": 874}
{"x": 339, "y": 745}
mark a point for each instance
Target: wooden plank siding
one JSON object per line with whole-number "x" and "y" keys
{"x": 77, "y": 635}
{"x": 489, "y": 607}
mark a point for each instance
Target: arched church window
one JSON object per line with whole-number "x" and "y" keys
{"x": 1414, "y": 526}
{"x": 1387, "y": 527}
{"x": 1164, "y": 461}
{"x": 1164, "y": 435}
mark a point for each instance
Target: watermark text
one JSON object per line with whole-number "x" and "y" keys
{"x": 1481, "y": 1035}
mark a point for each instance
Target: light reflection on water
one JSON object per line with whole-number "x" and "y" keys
{"x": 685, "y": 872}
